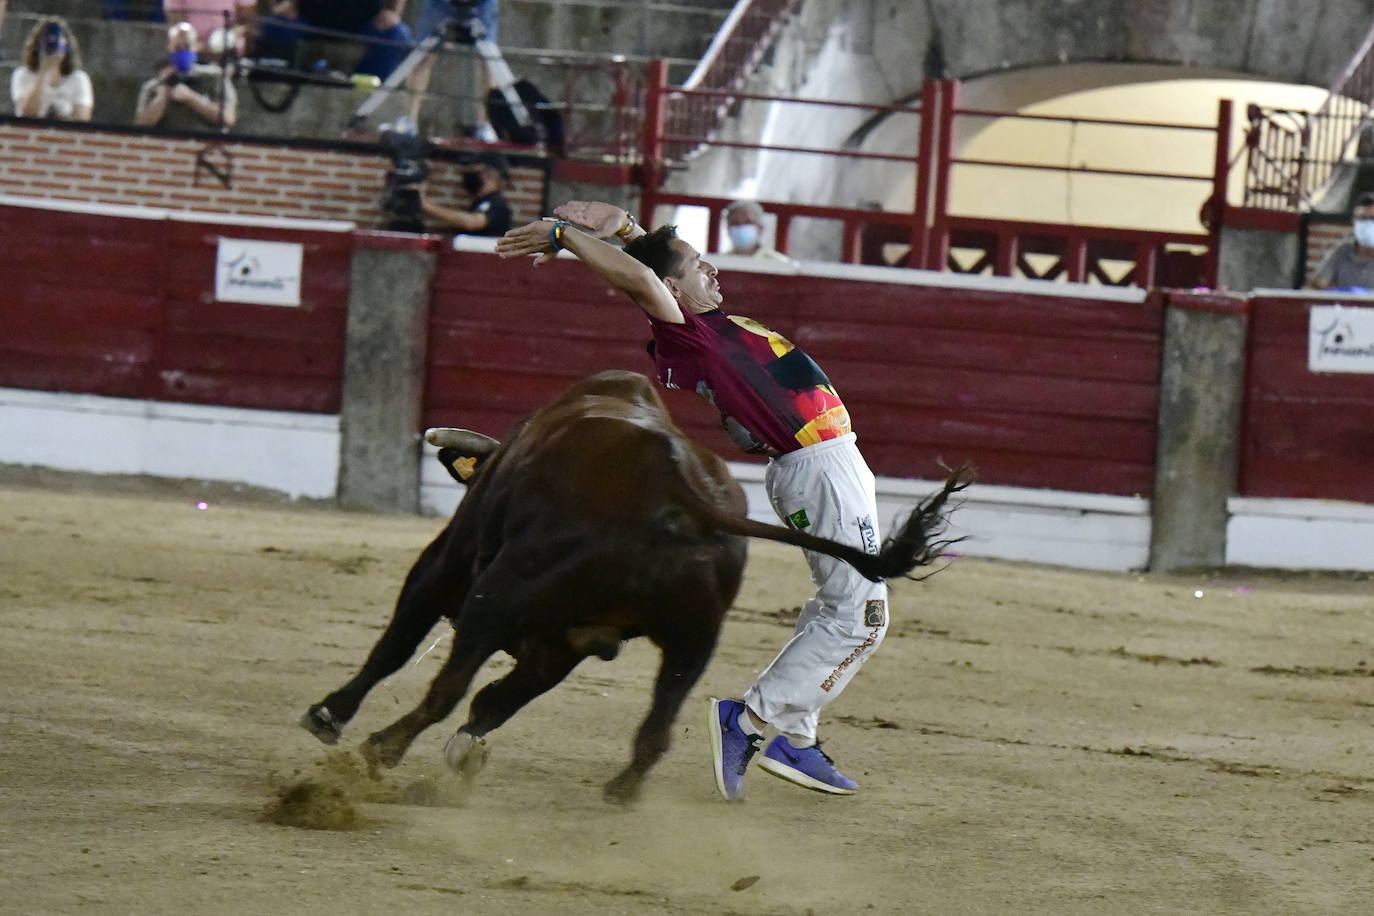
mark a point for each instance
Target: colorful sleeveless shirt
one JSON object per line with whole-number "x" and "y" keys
{"x": 772, "y": 397}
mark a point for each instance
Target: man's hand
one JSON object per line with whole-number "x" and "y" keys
{"x": 600, "y": 219}
{"x": 530, "y": 239}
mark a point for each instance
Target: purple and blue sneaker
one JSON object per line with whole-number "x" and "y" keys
{"x": 809, "y": 767}
{"x": 731, "y": 747}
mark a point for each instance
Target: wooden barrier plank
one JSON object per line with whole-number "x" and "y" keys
{"x": 1043, "y": 390}
{"x": 960, "y": 390}
{"x": 123, "y": 306}
{"x": 1307, "y": 435}
{"x": 1122, "y": 360}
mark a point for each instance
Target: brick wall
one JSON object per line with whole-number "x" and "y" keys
{"x": 1321, "y": 238}
{"x": 277, "y": 178}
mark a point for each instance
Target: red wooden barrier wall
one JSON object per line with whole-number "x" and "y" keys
{"x": 1307, "y": 435}
{"x": 1036, "y": 391}
{"x": 125, "y": 307}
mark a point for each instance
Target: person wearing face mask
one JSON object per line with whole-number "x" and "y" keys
{"x": 489, "y": 213}
{"x": 744, "y": 223}
{"x": 185, "y": 94}
{"x": 1350, "y": 265}
{"x": 49, "y": 83}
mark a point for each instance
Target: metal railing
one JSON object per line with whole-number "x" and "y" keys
{"x": 730, "y": 59}
{"x": 1291, "y": 155}
{"x": 930, "y": 233}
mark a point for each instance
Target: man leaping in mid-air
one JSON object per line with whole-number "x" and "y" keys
{"x": 775, "y": 401}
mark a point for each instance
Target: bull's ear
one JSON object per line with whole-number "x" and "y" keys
{"x": 461, "y": 451}
{"x": 459, "y": 466}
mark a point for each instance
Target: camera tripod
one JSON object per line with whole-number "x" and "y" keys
{"x": 459, "y": 19}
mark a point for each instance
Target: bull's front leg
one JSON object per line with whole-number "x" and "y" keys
{"x": 385, "y": 748}
{"x": 537, "y": 671}
{"x": 677, "y": 675}
{"x": 432, "y": 586}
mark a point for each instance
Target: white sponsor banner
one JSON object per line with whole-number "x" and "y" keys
{"x": 1341, "y": 339}
{"x": 263, "y": 273}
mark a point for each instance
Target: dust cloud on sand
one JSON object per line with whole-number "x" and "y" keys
{"x": 1028, "y": 740}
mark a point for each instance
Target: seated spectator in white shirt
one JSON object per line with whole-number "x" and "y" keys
{"x": 49, "y": 82}
{"x": 744, "y": 223}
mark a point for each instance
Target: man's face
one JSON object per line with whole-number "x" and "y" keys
{"x": 1363, "y": 212}
{"x": 179, "y": 39}
{"x": 695, "y": 287}
{"x": 740, "y": 217}
{"x": 480, "y": 180}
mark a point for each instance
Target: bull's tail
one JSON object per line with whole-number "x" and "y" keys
{"x": 916, "y": 543}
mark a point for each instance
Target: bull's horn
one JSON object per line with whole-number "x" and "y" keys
{"x": 464, "y": 440}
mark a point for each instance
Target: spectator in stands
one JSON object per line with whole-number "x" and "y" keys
{"x": 186, "y": 95}
{"x": 487, "y": 16}
{"x": 377, "y": 22}
{"x": 744, "y": 223}
{"x": 49, "y": 81}
{"x": 208, "y": 18}
{"x": 1350, "y": 265}
{"x": 2, "y": 17}
{"x": 489, "y": 213}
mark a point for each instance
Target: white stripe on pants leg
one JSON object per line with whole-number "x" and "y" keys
{"x": 826, "y": 490}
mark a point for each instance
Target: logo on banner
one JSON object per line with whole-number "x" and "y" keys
{"x": 261, "y": 273}
{"x": 1341, "y": 339}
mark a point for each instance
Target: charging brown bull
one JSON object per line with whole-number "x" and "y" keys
{"x": 597, "y": 521}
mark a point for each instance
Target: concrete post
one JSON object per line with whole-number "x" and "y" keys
{"x": 384, "y": 368}
{"x": 1259, "y": 257}
{"x": 1200, "y": 403}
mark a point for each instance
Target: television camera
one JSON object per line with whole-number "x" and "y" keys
{"x": 409, "y": 154}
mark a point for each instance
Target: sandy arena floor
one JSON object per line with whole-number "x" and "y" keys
{"x": 1029, "y": 740}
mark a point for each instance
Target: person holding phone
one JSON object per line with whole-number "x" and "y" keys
{"x": 49, "y": 83}
{"x": 186, "y": 94}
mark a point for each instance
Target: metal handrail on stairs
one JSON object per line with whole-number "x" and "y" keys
{"x": 732, "y": 56}
{"x": 1292, "y": 155}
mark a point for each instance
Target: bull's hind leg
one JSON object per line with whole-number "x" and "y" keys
{"x": 433, "y": 585}
{"x": 538, "y": 671}
{"x": 682, "y": 666}
{"x": 387, "y": 747}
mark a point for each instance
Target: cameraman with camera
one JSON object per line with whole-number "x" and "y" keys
{"x": 489, "y": 213}
{"x": 49, "y": 82}
{"x": 185, "y": 94}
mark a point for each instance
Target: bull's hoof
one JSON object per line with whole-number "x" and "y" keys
{"x": 320, "y": 722}
{"x": 466, "y": 754}
{"x": 380, "y": 753}
{"x": 622, "y": 790}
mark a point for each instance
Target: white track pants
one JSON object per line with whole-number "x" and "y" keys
{"x": 826, "y": 490}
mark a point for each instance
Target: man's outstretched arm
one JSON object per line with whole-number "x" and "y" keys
{"x": 608, "y": 262}
{"x": 600, "y": 219}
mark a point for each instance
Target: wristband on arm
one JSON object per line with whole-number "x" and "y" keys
{"x": 556, "y": 234}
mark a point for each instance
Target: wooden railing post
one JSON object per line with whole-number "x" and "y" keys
{"x": 651, "y": 169}
{"x": 939, "y": 238}
{"x": 1221, "y": 163}
{"x": 925, "y": 152}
